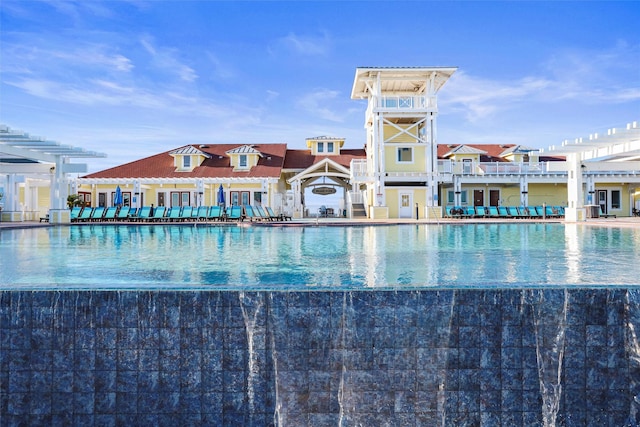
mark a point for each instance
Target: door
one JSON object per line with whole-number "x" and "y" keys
{"x": 102, "y": 199}
{"x": 478, "y": 197}
{"x": 405, "y": 205}
{"x": 161, "y": 199}
{"x": 602, "y": 200}
{"x": 494, "y": 197}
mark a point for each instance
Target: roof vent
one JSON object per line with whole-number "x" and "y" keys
{"x": 204, "y": 146}
{"x": 451, "y": 145}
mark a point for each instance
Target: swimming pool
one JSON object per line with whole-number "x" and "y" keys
{"x": 337, "y": 258}
{"x": 412, "y": 325}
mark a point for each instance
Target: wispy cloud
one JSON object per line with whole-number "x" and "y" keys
{"x": 318, "y": 103}
{"x": 167, "y": 60}
{"x": 579, "y": 77}
{"x": 303, "y": 44}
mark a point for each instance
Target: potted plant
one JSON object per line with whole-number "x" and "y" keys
{"x": 73, "y": 200}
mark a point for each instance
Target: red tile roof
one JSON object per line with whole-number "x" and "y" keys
{"x": 218, "y": 166}
{"x": 274, "y": 158}
{"x": 302, "y": 159}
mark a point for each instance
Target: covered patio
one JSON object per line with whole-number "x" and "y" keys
{"x": 40, "y": 168}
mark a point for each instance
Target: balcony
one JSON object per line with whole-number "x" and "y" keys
{"x": 402, "y": 103}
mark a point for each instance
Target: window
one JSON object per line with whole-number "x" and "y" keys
{"x": 235, "y": 198}
{"x": 243, "y": 161}
{"x": 186, "y": 162}
{"x": 615, "y": 199}
{"x": 405, "y": 154}
{"x": 257, "y": 198}
{"x": 329, "y": 147}
{"x": 463, "y": 197}
{"x": 320, "y": 147}
{"x": 180, "y": 198}
{"x": 450, "y": 197}
{"x": 245, "y": 197}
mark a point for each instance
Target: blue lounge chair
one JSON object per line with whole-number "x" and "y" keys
{"x": 281, "y": 217}
{"x": 533, "y": 212}
{"x": 97, "y": 214}
{"x": 481, "y": 211}
{"x": 110, "y": 214}
{"x": 234, "y": 213}
{"x": 469, "y": 212}
{"x": 513, "y": 212}
{"x": 144, "y": 214}
{"x": 185, "y": 214}
{"x": 158, "y": 214}
{"x": 174, "y": 213}
{"x": 250, "y": 213}
{"x": 123, "y": 213}
{"x": 215, "y": 213}
{"x": 263, "y": 213}
{"x": 202, "y": 213}
{"x": 75, "y": 213}
{"x": 493, "y": 212}
{"x": 503, "y": 212}
{"x": 85, "y": 215}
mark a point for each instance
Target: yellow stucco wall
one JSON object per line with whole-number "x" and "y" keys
{"x": 391, "y": 158}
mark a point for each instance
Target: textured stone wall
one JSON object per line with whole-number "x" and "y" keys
{"x": 454, "y": 358}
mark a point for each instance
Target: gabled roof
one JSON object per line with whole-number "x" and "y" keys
{"x": 302, "y": 159}
{"x": 216, "y": 165}
{"x": 189, "y": 149}
{"x": 245, "y": 149}
{"x": 464, "y": 149}
{"x": 518, "y": 149}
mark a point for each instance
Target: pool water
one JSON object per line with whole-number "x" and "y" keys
{"x": 332, "y": 258}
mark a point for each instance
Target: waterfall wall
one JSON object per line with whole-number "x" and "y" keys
{"x": 429, "y": 357}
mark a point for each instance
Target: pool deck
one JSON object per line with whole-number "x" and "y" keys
{"x": 626, "y": 222}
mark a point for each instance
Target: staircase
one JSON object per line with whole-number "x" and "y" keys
{"x": 358, "y": 210}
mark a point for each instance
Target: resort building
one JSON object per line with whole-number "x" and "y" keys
{"x": 401, "y": 172}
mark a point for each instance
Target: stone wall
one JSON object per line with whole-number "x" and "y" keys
{"x": 402, "y": 358}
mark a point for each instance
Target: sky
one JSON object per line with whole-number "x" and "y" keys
{"x": 135, "y": 78}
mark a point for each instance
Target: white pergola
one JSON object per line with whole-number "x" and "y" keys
{"x": 25, "y": 157}
{"x": 618, "y": 145}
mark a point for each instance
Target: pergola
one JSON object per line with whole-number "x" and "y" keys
{"x": 25, "y": 157}
{"x": 618, "y": 145}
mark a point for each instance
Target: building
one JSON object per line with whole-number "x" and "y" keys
{"x": 402, "y": 171}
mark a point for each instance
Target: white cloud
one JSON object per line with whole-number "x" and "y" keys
{"x": 318, "y": 103}
{"x": 166, "y": 60}
{"x": 305, "y": 45}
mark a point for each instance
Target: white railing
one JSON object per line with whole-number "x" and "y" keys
{"x": 405, "y": 102}
{"x": 499, "y": 168}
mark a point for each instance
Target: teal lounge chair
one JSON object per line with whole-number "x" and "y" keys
{"x": 202, "y": 213}
{"x": 503, "y": 212}
{"x": 75, "y": 213}
{"x": 85, "y": 215}
{"x": 234, "y": 213}
{"x": 215, "y": 213}
{"x": 263, "y": 213}
{"x": 158, "y": 213}
{"x": 493, "y": 212}
{"x": 513, "y": 212}
{"x": 174, "y": 213}
{"x": 481, "y": 211}
{"x": 110, "y": 214}
{"x": 97, "y": 214}
{"x": 144, "y": 214}
{"x": 281, "y": 217}
{"x": 469, "y": 212}
{"x": 250, "y": 213}
{"x": 123, "y": 213}
{"x": 185, "y": 215}
{"x": 533, "y": 212}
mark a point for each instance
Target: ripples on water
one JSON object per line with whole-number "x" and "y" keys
{"x": 402, "y": 256}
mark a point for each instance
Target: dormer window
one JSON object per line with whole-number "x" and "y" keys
{"x": 187, "y": 158}
{"x": 244, "y": 157}
{"x": 325, "y": 145}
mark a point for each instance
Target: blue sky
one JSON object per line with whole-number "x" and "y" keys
{"x": 134, "y": 78}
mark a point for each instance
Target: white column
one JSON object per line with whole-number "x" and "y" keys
{"x": 432, "y": 161}
{"x": 575, "y": 209}
{"x": 524, "y": 191}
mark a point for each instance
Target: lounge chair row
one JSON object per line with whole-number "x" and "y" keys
{"x": 177, "y": 214}
{"x": 504, "y": 212}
